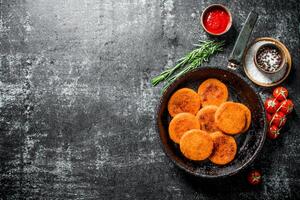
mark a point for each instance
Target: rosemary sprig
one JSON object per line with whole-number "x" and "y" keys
{"x": 190, "y": 61}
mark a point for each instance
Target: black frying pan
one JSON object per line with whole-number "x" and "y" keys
{"x": 240, "y": 90}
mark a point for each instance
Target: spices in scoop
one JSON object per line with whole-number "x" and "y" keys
{"x": 269, "y": 58}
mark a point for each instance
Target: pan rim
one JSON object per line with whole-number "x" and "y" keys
{"x": 230, "y": 173}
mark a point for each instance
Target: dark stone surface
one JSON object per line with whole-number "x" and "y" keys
{"x": 77, "y": 109}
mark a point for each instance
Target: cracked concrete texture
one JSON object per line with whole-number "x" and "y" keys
{"x": 77, "y": 108}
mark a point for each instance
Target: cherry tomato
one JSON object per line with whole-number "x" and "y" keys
{"x": 280, "y": 93}
{"x": 254, "y": 177}
{"x": 271, "y": 105}
{"x": 273, "y": 132}
{"x": 278, "y": 119}
{"x": 269, "y": 117}
{"x": 286, "y": 106}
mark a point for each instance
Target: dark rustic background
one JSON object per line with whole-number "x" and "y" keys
{"x": 77, "y": 108}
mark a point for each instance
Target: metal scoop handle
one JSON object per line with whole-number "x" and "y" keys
{"x": 240, "y": 45}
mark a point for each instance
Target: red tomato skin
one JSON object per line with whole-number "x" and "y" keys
{"x": 269, "y": 117}
{"x": 286, "y": 106}
{"x": 271, "y": 105}
{"x": 280, "y": 93}
{"x": 273, "y": 132}
{"x": 278, "y": 119}
{"x": 254, "y": 177}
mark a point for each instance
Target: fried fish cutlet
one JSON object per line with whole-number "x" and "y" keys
{"x": 212, "y": 92}
{"x": 196, "y": 145}
{"x": 184, "y": 100}
{"x": 181, "y": 123}
{"x": 230, "y": 118}
{"x": 225, "y": 148}
{"x": 206, "y": 118}
{"x": 248, "y": 117}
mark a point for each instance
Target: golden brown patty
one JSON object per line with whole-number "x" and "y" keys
{"x": 181, "y": 123}
{"x": 206, "y": 118}
{"x": 248, "y": 117}
{"x": 231, "y": 118}
{"x": 196, "y": 145}
{"x": 225, "y": 148}
{"x": 212, "y": 92}
{"x": 184, "y": 100}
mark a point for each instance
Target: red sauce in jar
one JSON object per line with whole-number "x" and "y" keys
{"x": 216, "y": 20}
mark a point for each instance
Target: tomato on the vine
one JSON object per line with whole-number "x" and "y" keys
{"x": 273, "y": 132}
{"x": 286, "y": 106}
{"x": 278, "y": 119}
{"x": 280, "y": 93}
{"x": 269, "y": 117}
{"x": 271, "y": 105}
{"x": 254, "y": 177}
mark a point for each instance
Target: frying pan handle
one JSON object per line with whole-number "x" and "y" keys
{"x": 240, "y": 45}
